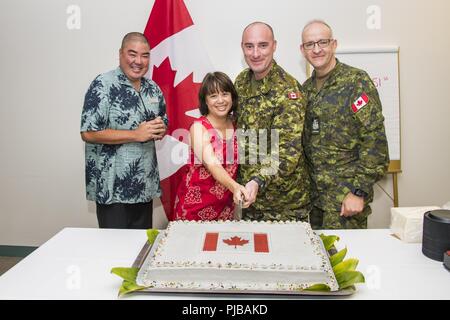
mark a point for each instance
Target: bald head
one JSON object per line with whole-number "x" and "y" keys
{"x": 258, "y": 45}
{"x": 314, "y": 24}
{"x": 258, "y": 24}
{"x": 134, "y": 37}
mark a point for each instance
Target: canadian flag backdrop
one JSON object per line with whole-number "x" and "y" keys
{"x": 178, "y": 63}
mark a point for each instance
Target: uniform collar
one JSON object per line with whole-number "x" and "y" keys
{"x": 262, "y": 86}
{"x": 334, "y": 74}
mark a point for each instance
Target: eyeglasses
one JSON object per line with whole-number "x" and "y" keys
{"x": 322, "y": 43}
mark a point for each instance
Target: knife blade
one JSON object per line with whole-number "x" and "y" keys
{"x": 238, "y": 211}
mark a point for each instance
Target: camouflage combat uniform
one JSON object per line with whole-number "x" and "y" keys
{"x": 345, "y": 143}
{"x": 274, "y": 103}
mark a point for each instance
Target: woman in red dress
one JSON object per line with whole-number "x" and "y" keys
{"x": 208, "y": 189}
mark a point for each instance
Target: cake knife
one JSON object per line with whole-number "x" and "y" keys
{"x": 238, "y": 211}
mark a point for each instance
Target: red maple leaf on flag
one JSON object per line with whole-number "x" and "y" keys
{"x": 177, "y": 60}
{"x": 175, "y": 50}
{"x": 180, "y": 98}
{"x": 235, "y": 241}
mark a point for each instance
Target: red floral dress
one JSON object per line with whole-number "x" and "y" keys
{"x": 199, "y": 195}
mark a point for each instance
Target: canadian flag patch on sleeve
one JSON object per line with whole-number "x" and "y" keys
{"x": 360, "y": 102}
{"x": 294, "y": 95}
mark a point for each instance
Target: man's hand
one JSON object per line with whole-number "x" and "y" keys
{"x": 240, "y": 194}
{"x": 352, "y": 205}
{"x": 150, "y": 130}
{"x": 159, "y": 128}
{"x": 252, "y": 188}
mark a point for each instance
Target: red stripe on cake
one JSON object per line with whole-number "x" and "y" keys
{"x": 210, "y": 243}
{"x": 261, "y": 243}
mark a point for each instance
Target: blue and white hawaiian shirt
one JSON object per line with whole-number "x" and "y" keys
{"x": 123, "y": 173}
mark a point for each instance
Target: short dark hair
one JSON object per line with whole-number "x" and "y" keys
{"x": 214, "y": 82}
{"x": 134, "y": 36}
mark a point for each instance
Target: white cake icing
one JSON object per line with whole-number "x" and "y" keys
{"x": 241, "y": 255}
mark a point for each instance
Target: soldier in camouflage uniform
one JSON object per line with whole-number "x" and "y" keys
{"x": 344, "y": 139}
{"x": 270, "y": 99}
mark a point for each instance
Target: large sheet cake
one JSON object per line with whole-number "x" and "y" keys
{"x": 237, "y": 255}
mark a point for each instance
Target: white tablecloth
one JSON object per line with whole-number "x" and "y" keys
{"x": 76, "y": 264}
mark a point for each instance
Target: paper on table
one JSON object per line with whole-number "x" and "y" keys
{"x": 407, "y": 222}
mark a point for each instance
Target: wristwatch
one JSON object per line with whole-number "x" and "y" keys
{"x": 261, "y": 183}
{"x": 360, "y": 193}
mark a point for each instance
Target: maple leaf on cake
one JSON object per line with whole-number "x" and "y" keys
{"x": 235, "y": 241}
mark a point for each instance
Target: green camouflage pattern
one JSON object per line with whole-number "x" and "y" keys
{"x": 345, "y": 150}
{"x": 274, "y": 103}
{"x": 280, "y": 214}
{"x": 320, "y": 219}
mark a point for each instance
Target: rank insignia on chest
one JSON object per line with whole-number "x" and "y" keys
{"x": 315, "y": 126}
{"x": 360, "y": 102}
{"x": 293, "y": 95}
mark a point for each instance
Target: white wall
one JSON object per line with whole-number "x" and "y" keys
{"x": 46, "y": 69}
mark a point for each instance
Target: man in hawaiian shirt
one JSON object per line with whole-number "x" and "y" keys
{"x": 123, "y": 115}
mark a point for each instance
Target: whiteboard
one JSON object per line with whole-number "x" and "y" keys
{"x": 382, "y": 66}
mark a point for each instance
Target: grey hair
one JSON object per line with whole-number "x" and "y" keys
{"x": 320, "y": 22}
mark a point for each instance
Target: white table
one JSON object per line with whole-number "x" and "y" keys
{"x": 76, "y": 264}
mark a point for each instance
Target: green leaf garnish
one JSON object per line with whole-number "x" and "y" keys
{"x": 151, "y": 235}
{"x": 128, "y": 287}
{"x": 338, "y": 257}
{"x": 346, "y": 265}
{"x": 318, "y": 287}
{"x": 344, "y": 270}
{"x": 129, "y": 276}
{"x": 349, "y": 278}
{"x": 328, "y": 241}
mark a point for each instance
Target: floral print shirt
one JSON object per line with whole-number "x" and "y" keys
{"x": 121, "y": 173}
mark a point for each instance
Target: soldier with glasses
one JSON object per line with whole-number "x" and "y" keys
{"x": 344, "y": 139}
